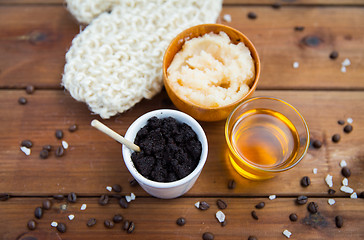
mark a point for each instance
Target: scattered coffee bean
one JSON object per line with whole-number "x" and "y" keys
{"x": 38, "y": 212}
{"x": 103, "y": 200}
{"x": 181, "y": 221}
{"x": 336, "y": 138}
{"x": 276, "y": 5}
{"x": 305, "y": 181}
{"x": 339, "y": 221}
{"x": 29, "y": 89}
{"x": 4, "y": 196}
{"x": 333, "y": 55}
{"x": 254, "y": 215}
{"x": 312, "y": 207}
{"x": 311, "y": 41}
{"x": 252, "y": 238}
{"x": 133, "y": 183}
{"x": 27, "y": 143}
{"x": 108, "y": 223}
{"x": 223, "y": 224}
{"x": 299, "y": 28}
{"x": 58, "y": 197}
{"x": 44, "y": 154}
{"x": 232, "y": 184}
{"x": 116, "y": 188}
{"x": 293, "y": 217}
{"x": 61, "y": 227}
{"x": 260, "y": 205}
{"x": 126, "y": 225}
{"x": 252, "y": 15}
{"x": 117, "y": 218}
{"x": 47, "y": 147}
{"x": 341, "y": 122}
{"x": 345, "y": 171}
{"x": 317, "y": 144}
{"x": 46, "y": 204}
{"x": 72, "y": 197}
{"x": 22, "y": 100}
{"x": 73, "y": 128}
{"x": 221, "y": 204}
{"x": 131, "y": 227}
{"x": 91, "y": 222}
{"x": 204, "y": 205}
{"x": 348, "y": 128}
{"x": 331, "y": 191}
{"x": 31, "y": 225}
{"x": 301, "y": 200}
{"x": 208, "y": 236}
{"x": 59, "y": 151}
{"x": 59, "y": 134}
{"x": 123, "y": 203}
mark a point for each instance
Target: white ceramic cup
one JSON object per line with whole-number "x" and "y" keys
{"x": 169, "y": 189}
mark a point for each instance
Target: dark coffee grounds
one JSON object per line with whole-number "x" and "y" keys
{"x": 170, "y": 150}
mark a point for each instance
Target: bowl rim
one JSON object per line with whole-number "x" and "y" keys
{"x": 251, "y": 49}
{"x": 179, "y": 116}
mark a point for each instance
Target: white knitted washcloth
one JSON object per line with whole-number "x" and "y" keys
{"x": 117, "y": 60}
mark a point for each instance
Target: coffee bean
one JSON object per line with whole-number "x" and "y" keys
{"x": 181, "y": 221}
{"x": 126, "y": 225}
{"x": 73, "y": 128}
{"x": 4, "y": 196}
{"x": 133, "y": 183}
{"x": 311, "y": 41}
{"x": 312, "y": 207}
{"x": 299, "y": 28}
{"x": 252, "y": 238}
{"x": 29, "y": 89}
{"x": 221, "y": 204}
{"x": 341, "y": 122}
{"x": 117, "y": 218}
{"x": 252, "y": 15}
{"x": 59, "y": 151}
{"x": 61, "y": 227}
{"x": 231, "y": 184}
{"x": 38, "y": 212}
{"x": 204, "y": 205}
{"x": 293, "y": 217}
{"x": 31, "y": 224}
{"x": 331, "y": 191}
{"x": 22, "y": 100}
{"x": 276, "y": 5}
{"x": 361, "y": 195}
{"x": 58, "y": 197}
{"x": 333, "y": 55}
{"x": 47, "y": 147}
{"x": 131, "y": 227}
{"x": 348, "y": 128}
{"x": 301, "y": 200}
{"x": 26, "y": 143}
{"x": 103, "y": 200}
{"x": 223, "y": 224}
{"x": 59, "y": 134}
{"x": 72, "y": 197}
{"x": 208, "y": 236}
{"x": 345, "y": 171}
{"x": 339, "y": 221}
{"x": 317, "y": 144}
{"x": 260, "y": 205}
{"x": 305, "y": 181}
{"x": 91, "y": 222}
{"x": 44, "y": 154}
{"x": 123, "y": 203}
{"x": 336, "y": 138}
{"x": 46, "y": 204}
{"x": 108, "y": 223}
{"x": 254, "y": 215}
{"x": 116, "y": 188}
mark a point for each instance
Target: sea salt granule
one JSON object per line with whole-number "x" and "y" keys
{"x": 349, "y": 120}
{"x": 314, "y": 171}
{"x": 346, "y": 62}
{"x": 343, "y": 69}
{"x": 54, "y": 224}
{"x": 296, "y": 65}
{"x": 271, "y": 197}
{"x": 287, "y": 233}
{"x": 197, "y": 204}
{"x": 25, "y": 150}
{"x": 83, "y": 207}
{"x": 220, "y": 216}
{"x": 64, "y": 144}
{"x": 346, "y": 189}
{"x": 343, "y": 163}
{"x": 71, "y": 217}
{"x": 354, "y": 195}
{"x": 227, "y": 17}
{"x": 132, "y": 196}
{"x": 109, "y": 188}
{"x": 128, "y": 198}
{"x": 345, "y": 182}
{"x": 328, "y": 180}
{"x": 331, "y": 201}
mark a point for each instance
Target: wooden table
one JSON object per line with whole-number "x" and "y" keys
{"x": 34, "y": 37}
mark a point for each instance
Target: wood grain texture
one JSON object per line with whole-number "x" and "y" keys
{"x": 154, "y": 218}
{"x": 95, "y": 160}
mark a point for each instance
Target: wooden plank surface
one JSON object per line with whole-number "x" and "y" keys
{"x": 154, "y": 218}
{"x": 33, "y": 48}
{"x": 95, "y": 159}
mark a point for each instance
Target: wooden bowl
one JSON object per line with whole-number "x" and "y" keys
{"x": 196, "y": 111}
